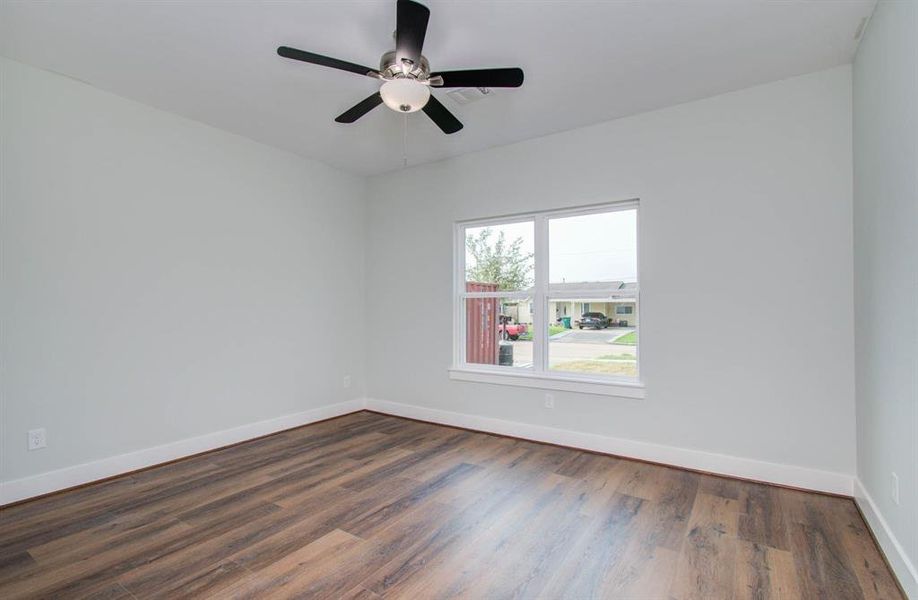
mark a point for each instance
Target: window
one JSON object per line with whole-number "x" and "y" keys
{"x": 550, "y": 297}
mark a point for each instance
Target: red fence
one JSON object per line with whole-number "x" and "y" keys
{"x": 481, "y": 325}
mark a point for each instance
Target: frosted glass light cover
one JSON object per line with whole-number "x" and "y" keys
{"x": 404, "y": 95}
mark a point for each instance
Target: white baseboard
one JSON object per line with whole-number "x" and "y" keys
{"x": 801, "y": 477}
{"x": 895, "y": 554}
{"x": 746, "y": 468}
{"x": 52, "y": 481}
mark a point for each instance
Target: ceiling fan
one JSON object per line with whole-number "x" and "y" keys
{"x": 406, "y": 74}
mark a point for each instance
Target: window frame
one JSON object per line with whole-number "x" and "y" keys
{"x": 538, "y": 375}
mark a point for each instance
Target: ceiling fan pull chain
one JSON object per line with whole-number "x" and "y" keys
{"x": 405, "y": 143}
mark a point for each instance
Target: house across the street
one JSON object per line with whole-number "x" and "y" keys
{"x": 580, "y": 298}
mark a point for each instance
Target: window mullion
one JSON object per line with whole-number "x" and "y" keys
{"x": 502, "y": 294}
{"x": 459, "y": 326}
{"x": 540, "y": 296}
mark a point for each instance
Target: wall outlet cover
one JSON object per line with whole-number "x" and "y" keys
{"x": 38, "y": 438}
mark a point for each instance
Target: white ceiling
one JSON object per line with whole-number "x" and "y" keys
{"x": 585, "y": 62}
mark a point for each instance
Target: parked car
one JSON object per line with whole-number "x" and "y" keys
{"x": 595, "y": 320}
{"x": 511, "y": 331}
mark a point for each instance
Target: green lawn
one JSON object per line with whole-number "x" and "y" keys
{"x": 624, "y": 356}
{"x": 628, "y": 338}
{"x": 552, "y": 330}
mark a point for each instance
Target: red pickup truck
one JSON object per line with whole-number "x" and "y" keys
{"x": 511, "y": 331}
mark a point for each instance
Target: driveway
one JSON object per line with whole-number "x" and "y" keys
{"x": 591, "y": 336}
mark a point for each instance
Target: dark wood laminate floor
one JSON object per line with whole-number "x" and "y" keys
{"x": 370, "y": 506}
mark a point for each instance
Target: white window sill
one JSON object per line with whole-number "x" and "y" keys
{"x": 561, "y": 383}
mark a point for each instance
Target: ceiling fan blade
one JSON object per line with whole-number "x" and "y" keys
{"x": 512, "y": 77}
{"x": 410, "y": 29}
{"x": 360, "y": 109}
{"x": 441, "y": 116}
{"x": 326, "y": 61}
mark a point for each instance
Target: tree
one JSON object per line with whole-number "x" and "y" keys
{"x": 498, "y": 262}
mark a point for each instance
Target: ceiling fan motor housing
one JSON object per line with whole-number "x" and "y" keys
{"x": 390, "y": 67}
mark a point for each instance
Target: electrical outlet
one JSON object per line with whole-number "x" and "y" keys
{"x": 38, "y": 438}
{"x": 549, "y": 401}
{"x": 347, "y": 381}
{"x": 895, "y": 488}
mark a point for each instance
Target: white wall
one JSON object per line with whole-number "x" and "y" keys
{"x": 745, "y": 209}
{"x": 162, "y": 279}
{"x": 886, "y": 276}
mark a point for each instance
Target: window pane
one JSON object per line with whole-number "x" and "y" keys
{"x": 588, "y": 249}
{"x": 598, "y": 341}
{"x": 499, "y": 257}
{"x": 498, "y": 331}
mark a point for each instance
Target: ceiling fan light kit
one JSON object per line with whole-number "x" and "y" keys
{"x": 405, "y": 73}
{"x": 405, "y": 95}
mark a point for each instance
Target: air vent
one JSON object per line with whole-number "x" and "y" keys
{"x": 469, "y": 94}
